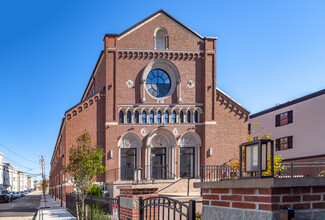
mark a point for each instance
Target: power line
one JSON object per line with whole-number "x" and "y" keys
{"x": 16, "y": 162}
{"x": 18, "y": 154}
{"x": 25, "y": 172}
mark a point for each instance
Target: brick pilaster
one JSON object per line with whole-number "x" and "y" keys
{"x": 129, "y": 200}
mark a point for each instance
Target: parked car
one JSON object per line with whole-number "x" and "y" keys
{"x": 5, "y": 196}
{"x": 14, "y": 195}
{"x": 22, "y": 193}
{"x": 18, "y": 195}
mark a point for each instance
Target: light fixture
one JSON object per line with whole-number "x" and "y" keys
{"x": 110, "y": 154}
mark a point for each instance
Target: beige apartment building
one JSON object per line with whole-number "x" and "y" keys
{"x": 298, "y": 127}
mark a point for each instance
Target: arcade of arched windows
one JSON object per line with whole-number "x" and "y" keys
{"x": 159, "y": 115}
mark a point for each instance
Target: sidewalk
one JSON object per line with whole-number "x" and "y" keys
{"x": 53, "y": 210}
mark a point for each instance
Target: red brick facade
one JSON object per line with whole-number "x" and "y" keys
{"x": 266, "y": 198}
{"x": 118, "y": 84}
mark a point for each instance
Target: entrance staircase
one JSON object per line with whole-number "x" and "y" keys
{"x": 180, "y": 187}
{"x": 183, "y": 190}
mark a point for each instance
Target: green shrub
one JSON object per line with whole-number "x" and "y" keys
{"x": 96, "y": 190}
{"x": 98, "y": 214}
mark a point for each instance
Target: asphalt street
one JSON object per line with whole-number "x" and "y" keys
{"x": 22, "y": 208}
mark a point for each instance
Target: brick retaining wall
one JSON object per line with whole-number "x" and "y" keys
{"x": 263, "y": 198}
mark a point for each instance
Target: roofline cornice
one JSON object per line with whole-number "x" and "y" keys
{"x": 93, "y": 74}
{"x": 289, "y": 103}
{"x": 234, "y": 101}
{"x": 151, "y": 16}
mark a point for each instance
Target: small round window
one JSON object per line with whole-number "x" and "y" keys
{"x": 158, "y": 83}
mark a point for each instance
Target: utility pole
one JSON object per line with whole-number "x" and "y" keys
{"x": 43, "y": 178}
{"x": 43, "y": 167}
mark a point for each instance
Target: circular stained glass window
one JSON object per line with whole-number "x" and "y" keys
{"x": 158, "y": 83}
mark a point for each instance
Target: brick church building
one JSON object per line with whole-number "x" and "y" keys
{"x": 153, "y": 105}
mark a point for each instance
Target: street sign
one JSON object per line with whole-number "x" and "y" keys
{"x": 115, "y": 212}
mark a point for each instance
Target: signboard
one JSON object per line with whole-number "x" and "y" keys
{"x": 115, "y": 212}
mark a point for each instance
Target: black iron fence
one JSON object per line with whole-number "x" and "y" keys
{"x": 97, "y": 207}
{"x": 210, "y": 173}
{"x": 302, "y": 170}
{"x": 156, "y": 208}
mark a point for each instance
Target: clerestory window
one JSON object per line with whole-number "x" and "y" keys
{"x": 166, "y": 117}
{"x": 159, "y": 117}
{"x": 136, "y": 117}
{"x": 121, "y": 117}
{"x": 129, "y": 117}
{"x": 174, "y": 117}
{"x": 144, "y": 117}
{"x": 151, "y": 116}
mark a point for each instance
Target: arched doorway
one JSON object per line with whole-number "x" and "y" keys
{"x": 129, "y": 155}
{"x": 160, "y": 154}
{"x": 189, "y": 154}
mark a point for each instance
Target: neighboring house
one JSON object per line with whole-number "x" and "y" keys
{"x": 13, "y": 172}
{"x": 152, "y": 104}
{"x": 8, "y": 175}
{"x": 31, "y": 183}
{"x": 297, "y": 126}
{"x": 22, "y": 181}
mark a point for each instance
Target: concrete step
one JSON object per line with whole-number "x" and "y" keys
{"x": 182, "y": 197}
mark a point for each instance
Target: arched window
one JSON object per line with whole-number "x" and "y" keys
{"x": 121, "y": 117}
{"x": 189, "y": 117}
{"x": 166, "y": 117}
{"x": 196, "y": 117}
{"x": 159, "y": 117}
{"x": 136, "y": 117}
{"x": 174, "y": 117}
{"x": 181, "y": 117}
{"x": 129, "y": 117}
{"x": 151, "y": 116}
{"x": 161, "y": 40}
{"x": 144, "y": 117}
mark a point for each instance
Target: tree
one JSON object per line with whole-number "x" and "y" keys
{"x": 257, "y": 133}
{"x": 85, "y": 163}
{"x": 44, "y": 186}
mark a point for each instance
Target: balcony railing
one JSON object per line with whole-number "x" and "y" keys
{"x": 139, "y": 173}
{"x": 210, "y": 173}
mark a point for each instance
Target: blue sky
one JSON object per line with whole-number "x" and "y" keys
{"x": 268, "y": 52}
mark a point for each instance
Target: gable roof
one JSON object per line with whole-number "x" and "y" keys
{"x": 166, "y": 14}
{"x": 301, "y": 99}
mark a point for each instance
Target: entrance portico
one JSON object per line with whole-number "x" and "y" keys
{"x": 160, "y": 154}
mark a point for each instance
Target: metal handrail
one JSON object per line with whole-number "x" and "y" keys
{"x": 163, "y": 170}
